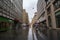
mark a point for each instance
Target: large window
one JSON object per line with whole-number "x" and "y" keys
{"x": 49, "y": 10}
{"x": 56, "y": 4}
{"x": 5, "y": 26}
{"x": 2, "y": 26}
{"x": 58, "y": 19}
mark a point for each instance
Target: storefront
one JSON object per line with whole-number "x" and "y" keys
{"x": 5, "y": 23}
{"x": 17, "y": 24}
{"x": 57, "y": 15}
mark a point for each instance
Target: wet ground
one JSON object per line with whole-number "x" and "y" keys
{"x": 22, "y": 34}
{"x": 41, "y": 36}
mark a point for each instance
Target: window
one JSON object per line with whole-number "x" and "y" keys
{"x": 58, "y": 19}
{"x": 56, "y": 4}
{"x": 49, "y": 10}
{"x": 4, "y": 26}
{"x": 49, "y": 21}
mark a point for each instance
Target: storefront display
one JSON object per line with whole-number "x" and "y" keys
{"x": 5, "y": 24}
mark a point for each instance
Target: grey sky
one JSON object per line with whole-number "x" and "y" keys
{"x": 31, "y": 7}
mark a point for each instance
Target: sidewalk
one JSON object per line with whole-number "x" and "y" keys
{"x": 42, "y": 35}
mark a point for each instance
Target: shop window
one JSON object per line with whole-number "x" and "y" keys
{"x": 58, "y": 19}
{"x": 4, "y": 26}
{"x": 7, "y": 24}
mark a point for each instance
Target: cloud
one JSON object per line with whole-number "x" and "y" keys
{"x": 31, "y": 7}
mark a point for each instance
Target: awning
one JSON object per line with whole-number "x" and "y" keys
{"x": 57, "y": 13}
{"x": 3, "y": 19}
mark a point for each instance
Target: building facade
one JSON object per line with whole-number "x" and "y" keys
{"x": 41, "y": 10}
{"x": 34, "y": 19}
{"x": 53, "y": 17}
{"x": 25, "y": 17}
{"x": 49, "y": 13}
{"x": 18, "y": 8}
{"x": 52, "y": 12}
{"x": 9, "y": 13}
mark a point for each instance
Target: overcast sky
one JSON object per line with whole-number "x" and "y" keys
{"x": 31, "y": 7}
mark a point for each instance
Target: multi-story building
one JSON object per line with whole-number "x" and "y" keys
{"x": 49, "y": 13}
{"x": 53, "y": 17}
{"x": 52, "y": 9}
{"x": 41, "y": 10}
{"x": 19, "y": 7}
{"x": 25, "y": 17}
{"x": 34, "y": 19}
{"x": 9, "y": 11}
{"x": 41, "y": 15}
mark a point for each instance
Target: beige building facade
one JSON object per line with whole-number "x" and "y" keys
{"x": 53, "y": 17}
{"x": 25, "y": 17}
{"x": 34, "y": 19}
{"x": 49, "y": 13}
{"x": 52, "y": 13}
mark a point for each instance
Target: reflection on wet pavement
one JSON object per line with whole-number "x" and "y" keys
{"x": 30, "y": 36}
{"x": 22, "y": 34}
